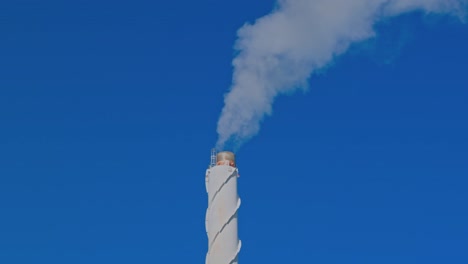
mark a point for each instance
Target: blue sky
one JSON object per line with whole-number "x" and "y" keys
{"x": 108, "y": 111}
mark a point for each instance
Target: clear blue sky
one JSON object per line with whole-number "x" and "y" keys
{"x": 108, "y": 111}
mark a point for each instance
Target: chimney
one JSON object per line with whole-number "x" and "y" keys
{"x": 223, "y": 203}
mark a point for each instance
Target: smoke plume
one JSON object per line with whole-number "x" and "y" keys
{"x": 278, "y": 53}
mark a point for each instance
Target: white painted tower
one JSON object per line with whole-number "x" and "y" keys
{"x": 223, "y": 203}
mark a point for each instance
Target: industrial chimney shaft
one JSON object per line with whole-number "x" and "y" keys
{"x": 223, "y": 205}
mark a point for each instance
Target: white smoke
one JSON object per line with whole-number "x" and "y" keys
{"x": 279, "y": 52}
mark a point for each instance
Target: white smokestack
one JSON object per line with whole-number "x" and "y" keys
{"x": 221, "y": 215}
{"x": 279, "y": 52}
